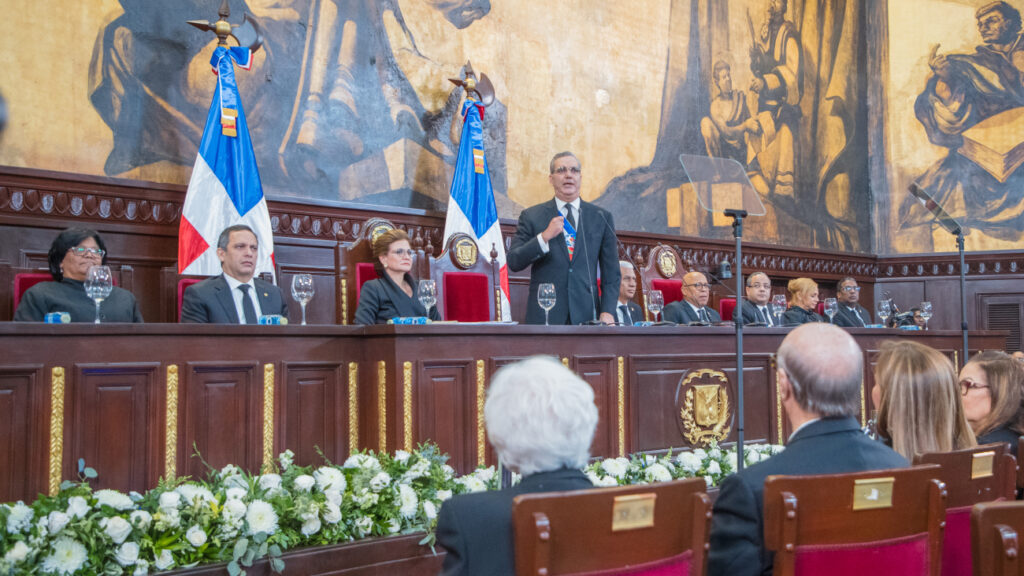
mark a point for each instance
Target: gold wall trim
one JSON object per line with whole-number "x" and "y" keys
{"x": 863, "y": 405}
{"x": 353, "y": 407}
{"x": 481, "y": 448}
{"x": 382, "y": 407}
{"x": 268, "y": 416}
{"x": 56, "y": 428}
{"x": 344, "y": 301}
{"x": 778, "y": 403}
{"x": 956, "y": 360}
{"x": 407, "y": 406}
{"x": 622, "y": 405}
{"x": 171, "y": 422}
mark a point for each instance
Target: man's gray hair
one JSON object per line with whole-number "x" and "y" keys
{"x": 625, "y": 264}
{"x": 551, "y": 167}
{"x": 225, "y": 235}
{"x": 540, "y": 416}
{"x": 825, "y": 366}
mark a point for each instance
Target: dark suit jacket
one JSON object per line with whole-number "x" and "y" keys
{"x": 576, "y": 280}
{"x": 476, "y": 529}
{"x": 636, "y": 313}
{"x": 796, "y": 316}
{"x": 681, "y": 312}
{"x": 828, "y": 446}
{"x": 847, "y": 319}
{"x": 751, "y": 314}
{"x": 211, "y": 302}
{"x": 1001, "y": 435}
{"x": 381, "y": 300}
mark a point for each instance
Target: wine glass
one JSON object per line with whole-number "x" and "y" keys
{"x": 778, "y": 307}
{"x": 98, "y": 284}
{"x": 926, "y": 313}
{"x": 546, "y": 298}
{"x": 655, "y": 303}
{"x": 831, "y": 307}
{"x": 302, "y": 291}
{"x": 884, "y": 310}
{"x": 426, "y": 291}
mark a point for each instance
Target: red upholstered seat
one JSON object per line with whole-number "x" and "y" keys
{"x": 467, "y": 282}
{"x": 466, "y": 297}
{"x": 906, "y": 556}
{"x": 26, "y": 280}
{"x": 726, "y": 307}
{"x": 364, "y": 273}
{"x": 182, "y": 285}
{"x": 671, "y": 289}
{"x": 820, "y": 308}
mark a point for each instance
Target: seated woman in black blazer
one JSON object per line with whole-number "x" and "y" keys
{"x": 992, "y": 388}
{"x": 393, "y": 293}
{"x": 803, "y": 299}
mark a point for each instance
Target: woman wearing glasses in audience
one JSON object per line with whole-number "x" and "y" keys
{"x": 918, "y": 400}
{"x": 72, "y": 253}
{"x": 393, "y": 293}
{"x": 991, "y": 387}
{"x": 803, "y": 299}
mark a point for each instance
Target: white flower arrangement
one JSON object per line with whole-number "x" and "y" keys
{"x": 712, "y": 464}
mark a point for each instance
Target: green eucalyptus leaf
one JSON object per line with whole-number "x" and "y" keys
{"x": 240, "y": 547}
{"x": 233, "y": 568}
{"x": 277, "y": 565}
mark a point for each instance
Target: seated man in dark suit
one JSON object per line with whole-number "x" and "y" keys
{"x": 819, "y": 381}
{"x": 757, "y": 308}
{"x": 227, "y": 299}
{"x": 694, "y": 306}
{"x": 628, "y": 312}
{"x": 540, "y": 419}
{"x": 850, "y": 314}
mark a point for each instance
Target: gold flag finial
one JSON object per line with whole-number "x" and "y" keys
{"x": 246, "y": 34}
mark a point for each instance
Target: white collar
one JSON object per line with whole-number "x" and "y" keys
{"x": 561, "y": 205}
{"x": 234, "y": 283}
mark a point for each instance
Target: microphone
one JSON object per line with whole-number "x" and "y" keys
{"x": 590, "y": 276}
{"x": 724, "y": 269}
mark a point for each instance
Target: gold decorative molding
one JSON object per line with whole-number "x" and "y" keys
{"x": 956, "y": 360}
{"x": 268, "y": 416}
{"x": 480, "y": 434}
{"x": 863, "y": 405}
{"x": 382, "y": 407}
{"x": 171, "y": 418}
{"x": 56, "y": 427}
{"x": 407, "y": 404}
{"x": 706, "y": 411}
{"x": 622, "y": 405}
{"x": 353, "y": 406}
{"x": 778, "y": 402}
{"x": 497, "y": 305}
{"x": 344, "y": 301}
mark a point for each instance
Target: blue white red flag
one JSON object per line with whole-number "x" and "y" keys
{"x": 225, "y": 188}
{"x": 471, "y": 209}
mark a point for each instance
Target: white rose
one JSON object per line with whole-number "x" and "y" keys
{"x": 328, "y": 478}
{"x": 401, "y": 456}
{"x": 657, "y": 473}
{"x": 362, "y": 461}
{"x": 443, "y": 495}
{"x": 57, "y": 521}
{"x": 236, "y": 493}
{"x": 170, "y": 500}
{"x": 332, "y": 514}
{"x": 43, "y": 526}
{"x": 429, "y": 510}
{"x": 77, "y": 507}
{"x": 114, "y": 499}
{"x": 141, "y": 568}
{"x": 117, "y": 528}
{"x": 20, "y": 518}
{"x": 193, "y": 492}
{"x": 709, "y": 481}
{"x": 311, "y": 526}
{"x": 472, "y": 483}
{"x": 700, "y": 453}
{"x": 141, "y": 519}
{"x": 364, "y": 524}
{"x": 714, "y": 468}
{"x": 394, "y": 526}
{"x": 17, "y": 553}
{"x": 334, "y": 497}
{"x": 127, "y": 554}
{"x": 305, "y": 483}
{"x": 164, "y": 560}
{"x": 380, "y": 481}
{"x": 169, "y": 518}
{"x": 195, "y": 536}
{"x": 234, "y": 509}
{"x": 270, "y": 482}
{"x": 689, "y": 461}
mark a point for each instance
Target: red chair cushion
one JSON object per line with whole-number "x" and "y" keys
{"x": 906, "y": 556}
{"x": 364, "y": 273}
{"x": 671, "y": 289}
{"x": 182, "y": 285}
{"x": 26, "y": 280}
{"x": 956, "y": 542}
{"x": 820, "y": 308}
{"x": 678, "y": 565}
{"x": 466, "y": 297}
{"x": 725, "y": 308}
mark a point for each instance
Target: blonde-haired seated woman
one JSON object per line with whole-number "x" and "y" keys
{"x": 393, "y": 293}
{"x": 918, "y": 400}
{"x": 991, "y": 387}
{"x": 803, "y": 299}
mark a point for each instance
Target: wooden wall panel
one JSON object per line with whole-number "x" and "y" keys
{"x": 444, "y": 408}
{"x": 23, "y": 433}
{"x": 601, "y": 373}
{"x": 653, "y": 389}
{"x": 222, "y": 416}
{"x": 313, "y": 412}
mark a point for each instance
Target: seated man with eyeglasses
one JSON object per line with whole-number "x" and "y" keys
{"x": 850, "y": 314}
{"x": 757, "y": 308}
{"x": 693, "y": 309}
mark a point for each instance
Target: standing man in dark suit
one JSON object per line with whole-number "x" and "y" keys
{"x": 228, "y": 298}
{"x": 850, "y": 314}
{"x": 540, "y": 419}
{"x": 819, "y": 383}
{"x": 568, "y": 242}
{"x": 757, "y": 308}
{"x": 694, "y": 306}
{"x": 627, "y": 311}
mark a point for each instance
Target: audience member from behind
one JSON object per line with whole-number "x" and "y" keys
{"x": 393, "y": 293}
{"x": 991, "y": 388}
{"x": 803, "y": 300}
{"x": 72, "y": 253}
{"x": 694, "y": 305}
{"x": 820, "y": 368}
{"x": 540, "y": 420}
{"x": 627, "y": 311}
{"x": 918, "y": 401}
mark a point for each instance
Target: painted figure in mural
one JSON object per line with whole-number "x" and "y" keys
{"x": 963, "y": 90}
{"x": 775, "y": 63}
{"x": 725, "y": 127}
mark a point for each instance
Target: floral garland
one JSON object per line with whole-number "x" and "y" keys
{"x": 237, "y": 517}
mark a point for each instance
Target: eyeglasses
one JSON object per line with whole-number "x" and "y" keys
{"x": 700, "y": 286}
{"x": 851, "y": 288}
{"x": 760, "y": 286}
{"x": 86, "y": 252}
{"x": 968, "y": 385}
{"x": 402, "y": 252}
{"x": 561, "y": 170}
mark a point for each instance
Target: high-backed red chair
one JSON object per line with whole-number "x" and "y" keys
{"x": 182, "y": 285}
{"x": 468, "y": 288}
{"x": 356, "y": 268}
{"x": 726, "y": 306}
{"x": 981, "y": 474}
{"x": 26, "y": 278}
{"x": 997, "y": 529}
{"x": 657, "y": 529}
{"x": 664, "y": 270}
{"x": 878, "y": 523}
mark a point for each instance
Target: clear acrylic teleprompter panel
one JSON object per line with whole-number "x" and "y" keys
{"x": 721, "y": 184}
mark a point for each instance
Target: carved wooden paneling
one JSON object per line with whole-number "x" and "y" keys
{"x": 444, "y": 408}
{"x": 114, "y": 423}
{"x": 222, "y": 416}
{"x": 23, "y": 440}
{"x": 600, "y": 372}
{"x": 313, "y": 412}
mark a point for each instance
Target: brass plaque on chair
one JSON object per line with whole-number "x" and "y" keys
{"x": 705, "y": 413}
{"x": 465, "y": 252}
{"x": 633, "y": 512}
{"x": 666, "y": 264}
{"x": 982, "y": 464}
{"x": 873, "y": 493}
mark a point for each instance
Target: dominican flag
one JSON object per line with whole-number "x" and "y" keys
{"x": 225, "y": 187}
{"x": 471, "y": 209}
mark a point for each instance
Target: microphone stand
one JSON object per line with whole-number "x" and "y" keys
{"x": 963, "y": 291}
{"x": 737, "y": 316}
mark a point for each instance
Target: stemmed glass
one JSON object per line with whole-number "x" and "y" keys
{"x": 778, "y": 307}
{"x": 926, "y": 313}
{"x": 884, "y": 310}
{"x": 98, "y": 285}
{"x": 302, "y": 291}
{"x": 831, "y": 307}
{"x": 655, "y": 303}
{"x": 426, "y": 291}
{"x": 546, "y": 298}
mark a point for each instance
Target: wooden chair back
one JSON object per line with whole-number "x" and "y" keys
{"x": 996, "y": 531}
{"x": 468, "y": 287}
{"x": 24, "y": 278}
{"x": 664, "y": 270}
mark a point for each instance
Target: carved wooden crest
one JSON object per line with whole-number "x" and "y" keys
{"x": 465, "y": 252}
{"x": 705, "y": 414}
{"x": 666, "y": 264}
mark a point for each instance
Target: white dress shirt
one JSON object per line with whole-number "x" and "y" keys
{"x": 237, "y": 294}
{"x": 561, "y": 210}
